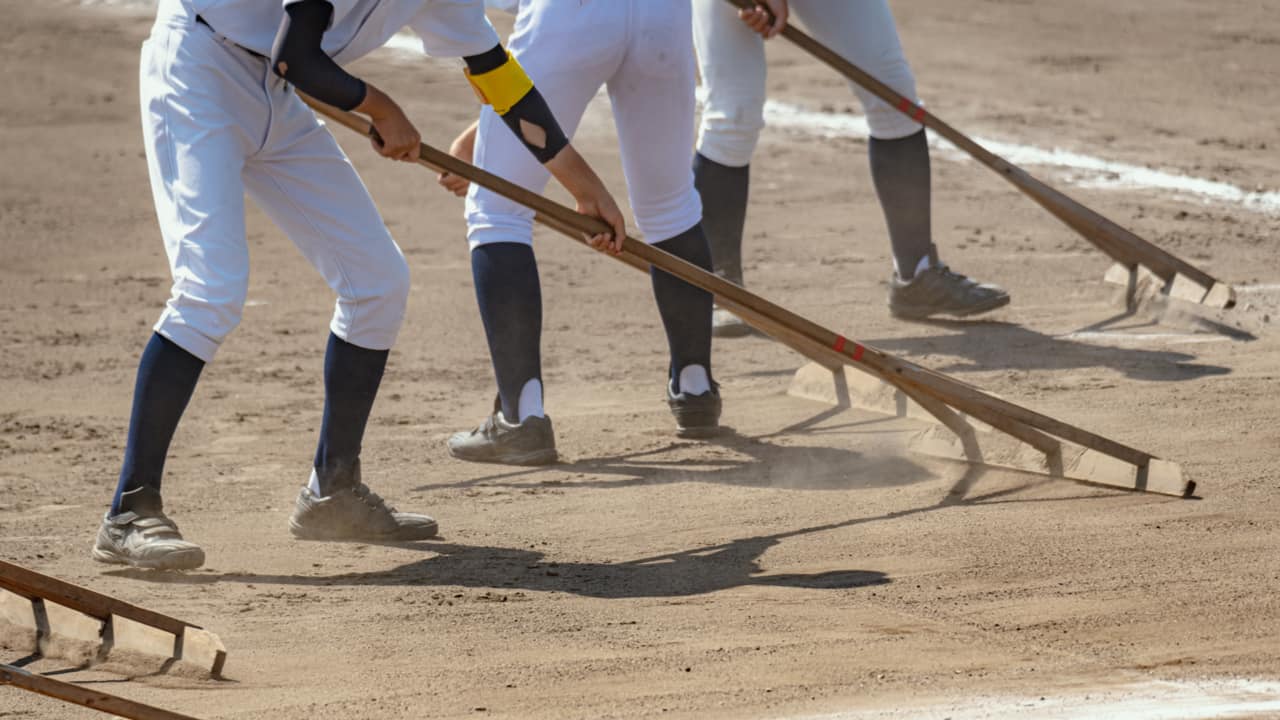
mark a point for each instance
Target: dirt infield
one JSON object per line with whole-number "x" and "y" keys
{"x": 805, "y": 565}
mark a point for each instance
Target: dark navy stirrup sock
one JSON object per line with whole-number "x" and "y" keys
{"x": 685, "y": 309}
{"x": 900, "y": 170}
{"x": 724, "y": 193}
{"x": 167, "y": 377}
{"x": 510, "y": 299}
{"x": 352, "y": 375}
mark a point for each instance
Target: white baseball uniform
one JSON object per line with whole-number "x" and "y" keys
{"x": 732, "y": 62}
{"x": 217, "y": 122}
{"x": 642, "y": 51}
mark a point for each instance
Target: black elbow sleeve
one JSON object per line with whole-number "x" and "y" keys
{"x": 531, "y": 120}
{"x": 487, "y": 61}
{"x": 299, "y": 58}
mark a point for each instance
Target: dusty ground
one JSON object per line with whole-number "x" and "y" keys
{"x": 804, "y": 564}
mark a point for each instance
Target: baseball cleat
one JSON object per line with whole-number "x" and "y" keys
{"x": 697, "y": 416}
{"x": 726, "y": 324}
{"x": 149, "y": 541}
{"x": 939, "y": 291}
{"x": 532, "y": 442}
{"x": 354, "y": 512}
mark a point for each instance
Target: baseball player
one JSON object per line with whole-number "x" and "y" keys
{"x": 642, "y": 52}
{"x": 220, "y": 119}
{"x": 731, "y": 57}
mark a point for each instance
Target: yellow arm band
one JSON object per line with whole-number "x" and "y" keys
{"x": 502, "y": 87}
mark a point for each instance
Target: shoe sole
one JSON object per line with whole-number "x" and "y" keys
{"x": 698, "y": 432}
{"x": 911, "y": 312}
{"x": 426, "y": 532}
{"x": 534, "y": 457}
{"x": 180, "y": 560}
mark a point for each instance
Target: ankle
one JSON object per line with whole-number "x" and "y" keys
{"x": 331, "y": 475}
{"x": 143, "y": 500}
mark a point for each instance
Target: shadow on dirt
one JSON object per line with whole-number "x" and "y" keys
{"x": 692, "y": 572}
{"x": 696, "y": 571}
{"x": 738, "y": 460}
{"x": 989, "y": 345}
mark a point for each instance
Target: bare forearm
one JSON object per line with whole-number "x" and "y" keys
{"x": 571, "y": 170}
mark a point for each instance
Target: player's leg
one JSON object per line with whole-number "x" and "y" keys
{"x": 196, "y": 98}
{"x": 304, "y": 182}
{"x": 653, "y": 108}
{"x": 567, "y": 50}
{"x": 731, "y": 60}
{"x": 865, "y": 33}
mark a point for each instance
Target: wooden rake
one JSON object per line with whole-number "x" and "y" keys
{"x": 1180, "y": 279}
{"x": 26, "y": 597}
{"x": 1103, "y": 461}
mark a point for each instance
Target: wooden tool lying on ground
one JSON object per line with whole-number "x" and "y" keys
{"x": 84, "y": 697}
{"x": 1182, "y": 280}
{"x": 1103, "y": 461}
{"x": 37, "y": 606}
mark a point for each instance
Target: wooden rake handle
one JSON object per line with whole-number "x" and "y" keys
{"x": 84, "y": 697}
{"x": 809, "y": 338}
{"x": 1121, "y": 244}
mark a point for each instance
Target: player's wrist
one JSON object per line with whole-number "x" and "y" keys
{"x": 378, "y": 105}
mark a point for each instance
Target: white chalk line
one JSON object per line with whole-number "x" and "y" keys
{"x": 1086, "y": 171}
{"x": 1260, "y": 288}
{"x": 1089, "y": 171}
{"x": 1121, "y": 338}
{"x": 1155, "y": 700}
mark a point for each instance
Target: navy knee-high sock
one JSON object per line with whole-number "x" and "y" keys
{"x": 510, "y": 299}
{"x": 352, "y": 375}
{"x": 685, "y": 309}
{"x": 724, "y": 192}
{"x": 900, "y": 171}
{"x": 167, "y": 377}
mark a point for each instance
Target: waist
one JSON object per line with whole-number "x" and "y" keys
{"x": 201, "y": 21}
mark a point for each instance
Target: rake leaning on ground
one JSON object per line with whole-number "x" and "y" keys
{"x": 1182, "y": 280}
{"x": 1104, "y": 461}
{"x": 26, "y": 597}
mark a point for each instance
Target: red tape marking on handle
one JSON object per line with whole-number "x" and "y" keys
{"x": 842, "y": 342}
{"x": 911, "y": 109}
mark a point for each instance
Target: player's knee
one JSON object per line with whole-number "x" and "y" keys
{"x": 398, "y": 284}
{"x": 493, "y": 229}
{"x": 225, "y": 318}
{"x": 731, "y": 125}
{"x": 371, "y": 311}
{"x": 663, "y": 216}
{"x": 199, "y": 323}
{"x": 885, "y": 121}
{"x": 729, "y": 141}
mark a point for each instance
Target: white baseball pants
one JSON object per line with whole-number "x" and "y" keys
{"x": 732, "y": 60}
{"x": 217, "y": 122}
{"x": 642, "y": 50}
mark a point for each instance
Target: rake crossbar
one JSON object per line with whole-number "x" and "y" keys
{"x": 32, "y": 585}
{"x": 84, "y": 697}
{"x": 1122, "y": 245}
{"x": 191, "y": 643}
{"x": 933, "y": 390}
